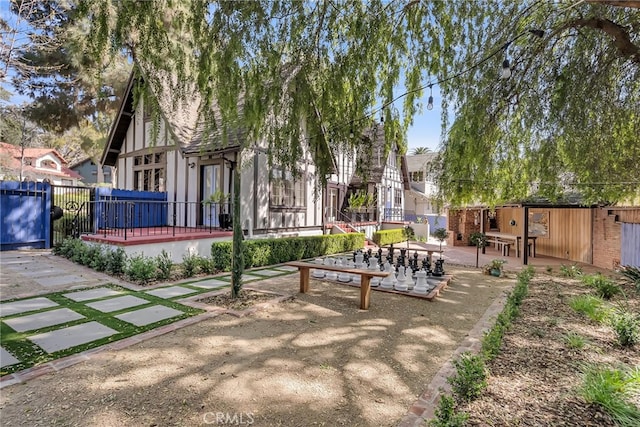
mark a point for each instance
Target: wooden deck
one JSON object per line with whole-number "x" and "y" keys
{"x": 140, "y": 236}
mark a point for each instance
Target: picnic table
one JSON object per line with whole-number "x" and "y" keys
{"x": 365, "y": 277}
{"x": 504, "y": 241}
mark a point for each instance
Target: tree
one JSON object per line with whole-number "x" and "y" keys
{"x": 421, "y": 150}
{"x": 45, "y": 55}
{"x": 568, "y": 118}
{"x": 310, "y": 74}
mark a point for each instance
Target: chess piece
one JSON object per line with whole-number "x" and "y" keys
{"x": 330, "y": 275}
{"x": 359, "y": 260}
{"x": 373, "y": 265}
{"x": 390, "y": 279}
{"x": 421, "y": 283}
{"x": 317, "y": 273}
{"x": 401, "y": 281}
{"x": 439, "y": 269}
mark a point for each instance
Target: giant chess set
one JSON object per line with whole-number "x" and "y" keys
{"x": 407, "y": 273}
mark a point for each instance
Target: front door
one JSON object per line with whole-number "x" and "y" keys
{"x": 332, "y": 211}
{"x": 211, "y": 182}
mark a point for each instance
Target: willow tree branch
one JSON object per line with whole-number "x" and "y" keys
{"x": 620, "y": 35}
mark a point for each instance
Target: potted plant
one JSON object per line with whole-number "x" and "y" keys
{"x": 441, "y": 234}
{"x": 494, "y": 268}
{"x": 217, "y": 201}
{"x": 479, "y": 240}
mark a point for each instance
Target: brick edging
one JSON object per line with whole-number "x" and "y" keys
{"x": 424, "y": 407}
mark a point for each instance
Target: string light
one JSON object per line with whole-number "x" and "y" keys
{"x": 430, "y": 102}
{"x": 536, "y": 32}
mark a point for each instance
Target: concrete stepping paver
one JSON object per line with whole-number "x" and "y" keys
{"x": 118, "y": 303}
{"x": 267, "y": 273}
{"x": 91, "y": 294}
{"x": 171, "y": 291}
{"x": 149, "y": 315}
{"x": 64, "y": 338}
{"x": 23, "y": 306}
{"x": 7, "y": 358}
{"x": 249, "y": 277}
{"x": 210, "y": 284}
{"x": 31, "y": 322}
{"x": 43, "y": 272}
{"x": 286, "y": 268}
{"x": 65, "y": 279}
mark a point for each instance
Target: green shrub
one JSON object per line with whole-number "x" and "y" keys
{"x": 116, "y": 262}
{"x": 164, "y": 264}
{"x": 613, "y": 390}
{"x": 470, "y": 378}
{"x": 261, "y": 252}
{"x": 206, "y": 265}
{"x": 141, "y": 269}
{"x": 190, "y": 264}
{"x": 574, "y": 341}
{"x": 492, "y": 339}
{"x": 605, "y": 287}
{"x": 445, "y": 414}
{"x": 100, "y": 258}
{"x": 592, "y": 307}
{"x": 387, "y": 237}
{"x": 626, "y": 325}
{"x": 633, "y": 274}
{"x": 571, "y": 271}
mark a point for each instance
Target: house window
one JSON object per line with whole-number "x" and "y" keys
{"x": 286, "y": 191}
{"x": 48, "y": 164}
{"x": 397, "y": 199}
{"x": 149, "y": 172}
{"x": 417, "y": 176}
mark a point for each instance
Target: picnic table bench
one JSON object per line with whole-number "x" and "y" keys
{"x": 365, "y": 277}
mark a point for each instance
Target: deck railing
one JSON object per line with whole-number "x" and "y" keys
{"x": 134, "y": 218}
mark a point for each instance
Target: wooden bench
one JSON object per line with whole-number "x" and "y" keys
{"x": 365, "y": 277}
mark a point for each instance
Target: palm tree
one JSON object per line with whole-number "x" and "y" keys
{"x": 421, "y": 150}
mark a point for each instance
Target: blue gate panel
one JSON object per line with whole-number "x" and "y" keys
{"x": 25, "y": 220}
{"x": 130, "y": 209}
{"x": 630, "y": 245}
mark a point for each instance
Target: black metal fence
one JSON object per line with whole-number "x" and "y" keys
{"x": 135, "y": 218}
{"x": 75, "y": 202}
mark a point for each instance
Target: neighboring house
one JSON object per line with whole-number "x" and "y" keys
{"x": 89, "y": 172}
{"x": 183, "y": 164}
{"x": 419, "y": 197}
{"x": 375, "y": 172}
{"x": 35, "y": 164}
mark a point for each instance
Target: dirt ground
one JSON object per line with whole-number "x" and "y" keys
{"x": 313, "y": 360}
{"x": 535, "y": 380}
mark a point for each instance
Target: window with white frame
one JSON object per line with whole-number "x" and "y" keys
{"x": 287, "y": 191}
{"x": 149, "y": 172}
{"x": 397, "y": 197}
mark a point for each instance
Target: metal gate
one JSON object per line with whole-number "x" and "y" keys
{"x": 630, "y": 245}
{"x": 24, "y": 215}
{"x": 77, "y": 211}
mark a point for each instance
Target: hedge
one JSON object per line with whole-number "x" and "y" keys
{"x": 386, "y": 237}
{"x": 260, "y": 252}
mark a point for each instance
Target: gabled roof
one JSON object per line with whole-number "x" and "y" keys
{"x": 11, "y": 155}
{"x": 419, "y": 162}
{"x": 371, "y": 158}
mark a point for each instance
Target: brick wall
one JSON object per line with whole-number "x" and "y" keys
{"x": 606, "y": 240}
{"x": 462, "y": 224}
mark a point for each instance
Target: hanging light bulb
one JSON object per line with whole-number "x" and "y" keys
{"x": 430, "y": 101}
{"x": 351, "y": 133}
{"x": 381, "y": 118}
{"x": 506, "y": 70}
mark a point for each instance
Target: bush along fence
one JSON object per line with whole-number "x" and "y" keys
{"x": 470, "y": 378}
{"x": 387, "y": 237}
{"x": 142, "y": 270}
